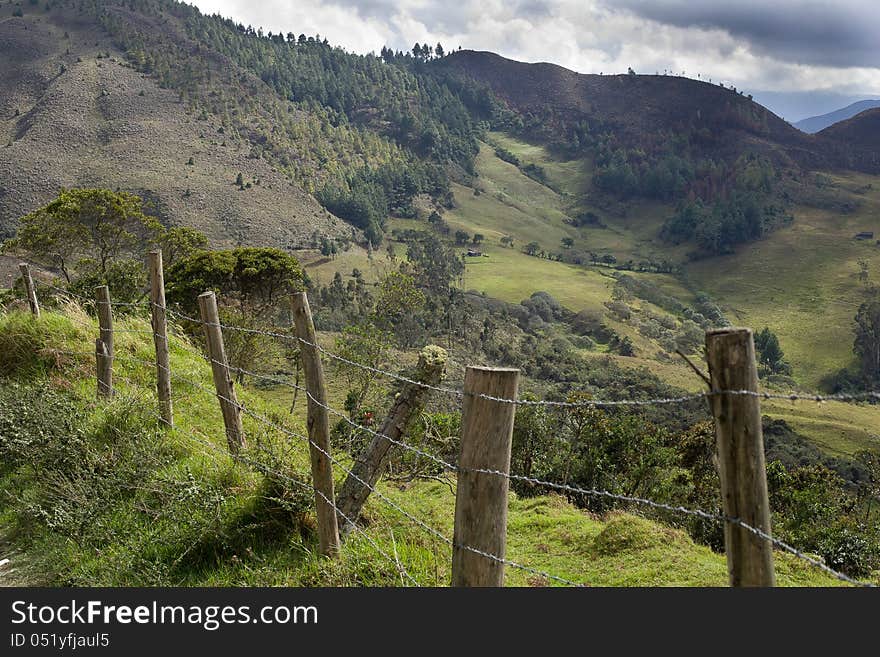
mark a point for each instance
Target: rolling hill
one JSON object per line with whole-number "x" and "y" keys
{"x": 645, "y": 111}
{"x": 816, "y": 124}
{"x": 156, "y": 98}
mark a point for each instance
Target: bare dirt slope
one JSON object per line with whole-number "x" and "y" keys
{"x": 74, "y": 113}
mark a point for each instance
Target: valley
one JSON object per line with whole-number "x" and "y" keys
{"x": 586, "y": 230}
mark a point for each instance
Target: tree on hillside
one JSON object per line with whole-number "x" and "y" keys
{"x": 867, "y": 340}
{"x": 85, "y": 230}
{"x": 255, "y": 279}
{"x": 478, "y": 237}
{"x": 770, "y": 356}
{"x": 567, "y": 242}
{"x": 180, "y": 242}
{"x": 461, "y": 237}
{"x": 435, "y": 266}
{"x": 253, "y": 286}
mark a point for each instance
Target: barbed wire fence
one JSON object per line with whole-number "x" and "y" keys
{"x": 483, "y": 474}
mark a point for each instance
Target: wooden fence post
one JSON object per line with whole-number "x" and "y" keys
{"x": 730, "y": 353}
{"x": 371, "y": 463}
{"x": 318, "y": 427}
{"x": 29, "y": 288}
{"x": 105, "y": 324}
{"x": 220, "y": 369}
{"x": 103, "y": 369}
{"x": 481, "y": 498}
{"x": 159, "y": 323}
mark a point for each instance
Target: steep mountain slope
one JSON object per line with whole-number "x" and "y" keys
{"x": 73, "y": 113}
{"x": 815, "y": 124}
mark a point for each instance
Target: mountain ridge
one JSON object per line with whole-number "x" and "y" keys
{"x": 815, "y": 124}
{"x": 716, "y": 119}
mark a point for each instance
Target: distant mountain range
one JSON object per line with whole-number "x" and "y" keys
{"x": 816, "y": 123}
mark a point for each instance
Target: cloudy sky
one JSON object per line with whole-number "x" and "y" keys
{"x": 798, "y": 57}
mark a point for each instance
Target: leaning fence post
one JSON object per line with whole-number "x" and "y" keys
{"x": 318, "y": 427}
{"x": 105, "y": 324}
{"x": 29, "y": 288}
{"x": 730, "y": 353}
{"x": 481, "y": 498}
{"x": 159, "y": 323}
{"x": 220, "y": 369}
{"x": 371, "y": 463}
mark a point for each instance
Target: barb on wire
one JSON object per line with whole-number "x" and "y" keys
{"x": 585, "y": 403}
{"x": 262, "y": 467}
{"x": 532, "y": 480}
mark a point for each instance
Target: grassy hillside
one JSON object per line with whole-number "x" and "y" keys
{"x": 803, "y": 280}
{"x": 129, "y": 504}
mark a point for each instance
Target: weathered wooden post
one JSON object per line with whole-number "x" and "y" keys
{"x": 29, "y": 288}
{"x": 105, "y": 325}
{"x": 481, "y": 498}
{"x": 220, "y": 369}
{"x": 318, "y": 427}
{"x": 159, "y": 323}
{"x": 103, "y": 369}
{"x": 372, "y": 462}
{"x": 731, "y": 356}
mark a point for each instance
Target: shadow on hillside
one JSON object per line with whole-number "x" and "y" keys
{"x": 274, "y": 520}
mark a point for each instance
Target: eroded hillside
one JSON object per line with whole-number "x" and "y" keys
{"x": 74, "y": 113}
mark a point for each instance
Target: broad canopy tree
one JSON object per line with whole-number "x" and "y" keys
{"x": 85, "y": 230}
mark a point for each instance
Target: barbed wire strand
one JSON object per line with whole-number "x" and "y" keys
{"x": 266, "y": 468}
{"x": 80, "y": 297}
{"x": 268, "y": 422}
{"x": 592, "y": 492}
{"x": 573, "y": 489}
{"x": 586, "y": 403}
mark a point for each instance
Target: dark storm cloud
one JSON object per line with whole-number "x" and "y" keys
{"x": 837, "y": 34}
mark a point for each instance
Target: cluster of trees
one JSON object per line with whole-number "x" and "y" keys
{"x": 420, "y": 53}
{"x": 867, "y": 342}
{"x": 864, "y": 373}
{"x": 367, "y": 196}
{"x": 99, "y": 237}
{"x": 335, "y": 121}
{"x": 771, "y": 359}
{"x": 720, "y": 205}
{"x": 578, "y": 256}
{"x": 718, "y": 227}
{"x": 626, "y": 173}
